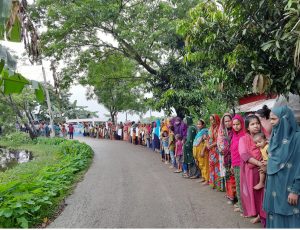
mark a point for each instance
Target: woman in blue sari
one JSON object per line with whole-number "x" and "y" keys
{"x": 281, "y": 201}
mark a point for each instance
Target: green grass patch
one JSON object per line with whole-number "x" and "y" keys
{"x": 32, "y": 192}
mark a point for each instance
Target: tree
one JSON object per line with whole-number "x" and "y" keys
{"x": 62, "y": 107}
{"x": 252, "y": 43}
{"x": 115, "y": 84}
{"x": 144, "y": 31}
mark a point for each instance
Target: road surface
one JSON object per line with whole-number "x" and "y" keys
{"x": 128, "y": 186}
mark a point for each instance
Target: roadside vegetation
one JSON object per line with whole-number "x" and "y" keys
{"x": 32, "y": 193}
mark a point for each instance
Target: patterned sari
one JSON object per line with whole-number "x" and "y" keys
{"x": 223, "y": 142}
{"x": 215, "y": 179}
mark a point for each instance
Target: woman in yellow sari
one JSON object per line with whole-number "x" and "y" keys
{"x": 199, "y": 150}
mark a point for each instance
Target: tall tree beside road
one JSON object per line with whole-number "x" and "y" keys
{"x": 143, "y": 31}
{"x": 114, "y": 82}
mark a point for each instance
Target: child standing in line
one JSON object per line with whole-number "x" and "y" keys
{"x": 165, "y": 144}
{"x": 262, "y": 143}
{"x": 172, "y": 147}
{"x": 179, "y": 153}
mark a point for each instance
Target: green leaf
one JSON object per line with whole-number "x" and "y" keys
{"x": 39, "y": 93}
{"x": 14, "y": 83}
{"x": 30, "y": 202}
{"x": 18, "y": 205}
{"x": 2, "y": 63}
{"x": 23, "y": 222}
{"x": 7, "y": 212}
{"x": 21, "y": 211}
{"x": 267, "y": 45}
{"x": 36, "y": 208}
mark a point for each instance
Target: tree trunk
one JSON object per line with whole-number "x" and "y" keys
{"x": 181, "y": 112}
{"x": 32, "y": 133}
{"x": 29, "y": 117}
{"x": 112, "y": 115}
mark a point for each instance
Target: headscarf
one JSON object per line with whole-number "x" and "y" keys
{"x": 164, "y": 127}
{"x": 224, "y": 136}
{"x": 179, "y": 127}
{"x": 213, "y": 130}
{"x": 198, "y": 138}
{"x": 282, "y": 142}
{"x": 237, "y": 135}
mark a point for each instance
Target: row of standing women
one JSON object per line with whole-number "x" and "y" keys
{"x": 238, "y": 163}
{"x": 254, "y": 159}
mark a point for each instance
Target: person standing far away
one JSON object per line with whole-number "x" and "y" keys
{"x": 172, "y": 147}
{"x": 281, "y": 201}
{"x": 71, "y": 131}
{"x": 178, "y": 153}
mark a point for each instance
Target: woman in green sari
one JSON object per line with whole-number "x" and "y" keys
{"x": 281, "y": 201}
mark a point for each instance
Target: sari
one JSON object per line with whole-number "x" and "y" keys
{"x": 198, "y": 145}
{"x": 223, "y": 143}
{"x": 156, "y": 135}
{"x": 215, "y": 179}
{"x": 249, "y": 177}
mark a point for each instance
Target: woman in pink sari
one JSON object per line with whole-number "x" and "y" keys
{"x": 249, "y": 175}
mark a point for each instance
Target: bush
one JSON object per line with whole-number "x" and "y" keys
{"x": 34, "y": 195}
{"x": 18, "y": 138}
{"x": 49, "y": 141}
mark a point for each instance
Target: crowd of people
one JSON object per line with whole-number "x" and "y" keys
{"x": 254, "y": 159}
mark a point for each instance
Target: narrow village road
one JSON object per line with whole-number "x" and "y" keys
{"x": 128, "y": 187}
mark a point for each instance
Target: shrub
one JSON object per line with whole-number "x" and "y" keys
{"x": 29, "y": 198}
{"x": 18, "y": 138}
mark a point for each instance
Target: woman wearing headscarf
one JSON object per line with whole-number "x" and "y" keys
{"x": 215, "y": 179}
{"x": 281, "y": 201}
{"x": 198, "y": 147}
{"x": 238, "y": 127}
{"x": 249, "y": 175}
{"x": 223, "y": 142}
{"x": 156, "y": 132}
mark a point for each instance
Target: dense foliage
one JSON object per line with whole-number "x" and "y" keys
{"x": 250, "y": 43}
{"x": 191, "y": 53}
{"x": 32, "y": 192}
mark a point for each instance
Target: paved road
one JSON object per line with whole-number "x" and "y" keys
{"x": 128, "y": 187}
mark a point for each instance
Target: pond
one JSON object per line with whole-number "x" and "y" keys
{"x": 10, "y": 158}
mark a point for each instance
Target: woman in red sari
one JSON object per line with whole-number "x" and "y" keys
{"x": 249, "y": 174}
{"x": 215, "y": 179}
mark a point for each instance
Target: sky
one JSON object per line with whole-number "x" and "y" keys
{"x": 34, "y": 72}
